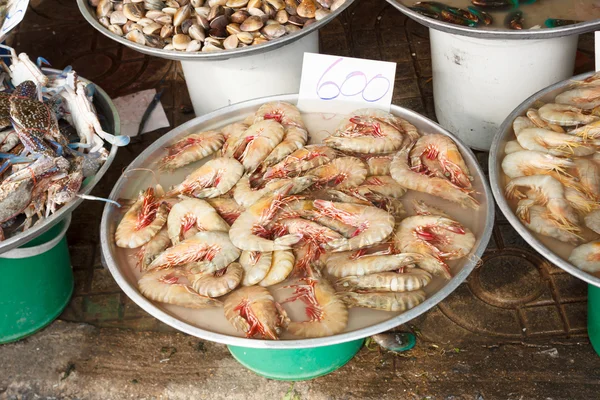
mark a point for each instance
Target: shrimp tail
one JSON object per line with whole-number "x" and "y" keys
{"x": 285, "y": 242}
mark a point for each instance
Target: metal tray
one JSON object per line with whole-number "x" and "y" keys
{"x": 90, "y": 15}
{"x": 505, "y": 134}
{"x": 549, "y": 33}
{"x": 105, "y": 107}
{"x": 112, "y": 215}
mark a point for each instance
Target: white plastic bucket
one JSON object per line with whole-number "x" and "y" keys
{"x": 478, "y": 82}
{"x": 216, "y": 84}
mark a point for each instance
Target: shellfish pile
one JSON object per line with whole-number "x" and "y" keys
{"x": 264, "y": 209}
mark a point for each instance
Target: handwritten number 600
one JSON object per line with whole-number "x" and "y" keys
{"x": 336, "y": 90}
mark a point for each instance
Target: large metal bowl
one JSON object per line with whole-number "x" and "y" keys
{"x": 111, "y": 124}
{"x": 90, "y": 15}
{"x": 112, "y": 215}
{"x": 568, "y": 30}
{"x": 497, "y": 154}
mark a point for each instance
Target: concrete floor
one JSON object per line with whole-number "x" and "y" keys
{"x": 515, "y": 330}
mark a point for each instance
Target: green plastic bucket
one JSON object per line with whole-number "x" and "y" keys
{"x": 296, "y": 364}
{"x": 36, "y": 283}
{"x": 594, "y": 317}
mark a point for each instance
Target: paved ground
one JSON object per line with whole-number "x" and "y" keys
{"x": 516, "y": 329}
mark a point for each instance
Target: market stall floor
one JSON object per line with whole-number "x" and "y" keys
{"x": 516, "y": 329}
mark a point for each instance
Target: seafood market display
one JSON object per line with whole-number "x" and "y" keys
{"x": 209, "y": 25}
{"x": 51, "y": 141}
{"x": 509, "y": 14}
{"x": 552, "y": 172}
{"x": 257, "y": 222}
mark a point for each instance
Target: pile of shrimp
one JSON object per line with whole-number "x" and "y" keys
{"x": 553, "y": 171}
{"x": 324, "y": 220}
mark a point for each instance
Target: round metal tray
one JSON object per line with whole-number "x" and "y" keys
{"x": 496, "y": 176}
{"x": 90, "y": 15}
{"x": 549, "y": 33}
{"x": 105, "y": 107}
{"x": 112, "y": 216}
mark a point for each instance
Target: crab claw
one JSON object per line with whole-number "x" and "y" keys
{"x": 65, "y": 71}
{"x": 42, "y": 61}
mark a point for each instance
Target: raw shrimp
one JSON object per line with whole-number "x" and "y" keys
{"x": 257, "y": 142}
{"x": 253, "y": 310}
{"x": 402, "y": 125}
{"x": 143, "y": 220}
{"x": 526, "y": 163}
{"x": 167, "y": 287}
{"x": 379, "y": 165}
{"x": 256, "y": 266}
{"x": 249, "y": 232}
{"x": 349, "y": 263}
{"x": 382, "y": 184}
{"x": 327, "y": 314}
{"x": 587, "y": 132}
{"x": 227, "y": 208}
{"x": 364, "y": 134}
{"x": 564, "y": 115}
{"x": 191, "y": 216}
{"x": 148, "y": 252}
{"x": 232, "y": 133}
{"x": 372, "y": 224}
{"x": 592, "y": 221}
{"x": 521, "y": 123}
{"x": 245, "y": 195}
{"x": 386, "y": 301}
{"x": 422, "y": 208}
{"x": 306, "y": 209}
{"x": 585, "y": 98}
{"x": 545, "y": 191}
{"x": 341, "y": 173}
{"x": 294, "y": 138}
{"x": 534, "y": 116}
{"x": 203, "y": 252}
{"x": 212, "y": 179}
{"x": 589, "y": 175}
{"x": 282, "y": 264}
{"x": 285, "y": 113}
{"x": 220, "y": 282}
{"x": 300, "y": 161}
{"x": 558, "y": 144}
{"x": 191, "y": 148}
{"x": 513, "y": 146}
{"x": 586, "y": 257}
{"x": 437, "y": 155}
{"x": 541, "y": 221}
{"x": 387, "y": 281}
{"x": 579, "y": 201}
{"x": 406, "y": 177}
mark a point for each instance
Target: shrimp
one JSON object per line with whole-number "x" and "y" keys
{"x": 282, "y": 264}
{"x": 350, "y": 263}
{"x": 191, "y": 148}
{"x": 365, "y": 196}
{"x": 512, "y": 146}
{"x": 558, "y": 144}
{"x": 143, "y": 220}
{"x": 220, "y": 282}
{"x": 379, "y": 165}
{"x": 300, "y": 161}
{"x": 398, "y": 123}
{"x": 306, "y": 209}
{"x": 521, "y": 123}
{"x": 422, "y": 208}
{"x": 341, "y": 173}
{"x": 585, "y": 98}
{"x": 534, "y": 116}
{"x": 212, "y": 179}
{"x": 541, "y": 221}
{"x": 191, "y": 216}
{"x": 256, "y": 143}
{"x": 294, "y": 138}
{"x": 203, "y": 252}
{"x": 564, "y": 115}
{"x": 372, "y": 224}
{"x": 227, "y": 208}
{"x": 256, "y": 266}
{"x": 245, "y": 195}
{"x": 592, "y": 221}
{"x": 545, "y": 191}
{"x": 249, "y": 232}
{"x": 253, "y": 311}
{"x": 285, "y": 113}
{"x": 587, "y": 257}
{"x": 148, "y": 252}
{"x": 589, "y": 175}
{"x": 587, "y": 132}
{"x": 580, "y": 201}
{"x": 437, "y": 155}
{"x": 385, "y": 301}
{"x": 387, "y": 281}
{"x": 327, "y": 314}
{"x": 364, "y": 134}
{"x": 527, "y": 162}
{"x": 232, "y": 133}
{"x": 169, "y": 287}
{"x": 406, "y": 177}
{"x": 384, "y": 185}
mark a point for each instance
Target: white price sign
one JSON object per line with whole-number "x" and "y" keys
{"x": 15, "y": 13}
{"x": 340, "y": 85}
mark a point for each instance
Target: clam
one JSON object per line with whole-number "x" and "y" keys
{"x": 170, "y": 10}
{"x": 256, "y": 12}
{"x": 172, "y": 4}
{"x": 321, "y": 13}
{"x": 307, "y": 9}
{"x": 233, "y": 29}
{"x": 289, "y": 28}
{"x": 118, "y": 18}
{"x": 105, "y": 21}
{"x": 309, "y": 22}
{"x": 164, "y": 19}
{"x": 154, "y": 41}
{"x": 231, "y": 42}
{"x": 181, "y": 41}
{"x": 136, "y": 36}
{"x": 145, "y": 21}
{"x": 183, "y": 2}
{"x": 136, "y": 1}
{"x": 131, "y": 26}
{"x": 152, "y": 29}
{"x": 154, "y": 4}
{"x": 196, "y": 32}
{"x": 203, "y": 11}
{"x": 118, "y": 6}
{"x": 236, "y": 3}
{"x": 296, "y": 20}
{"x": 245, "y": 37}
{"x": 325, "y": 3}
{"x": 182, "y": 14}
{"x": 133, "y": 11}
{"x": 336, "y": 4}
{"x": 268, "y": 10}
{"x": 211, "y": 48}
{"x": 116, "y": 29}
{"x": 281, "y": 16}
{"x": 169, "y": 46}
{"x": 259, "y": 40}
{"x": 251, "y": 24}
{"x": 202, "y": 21}
{"x": 255, "y": 3}
{"x": 215, "y": 11}
{"x": 197, "y": 3}
{"x": 104, "y": 8}
{"x": 239, "y": 16}
{"x": 153, "y": 14}
{"x": 291, "y": 6}
{"x": 277, "y": 4}
{"x": 212, "y": 3}
{"x": 273, "y": 31}
{"x": 167, "y": 31}
{"x": 186, "y": 25}
{"x": 193, "y": 45}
